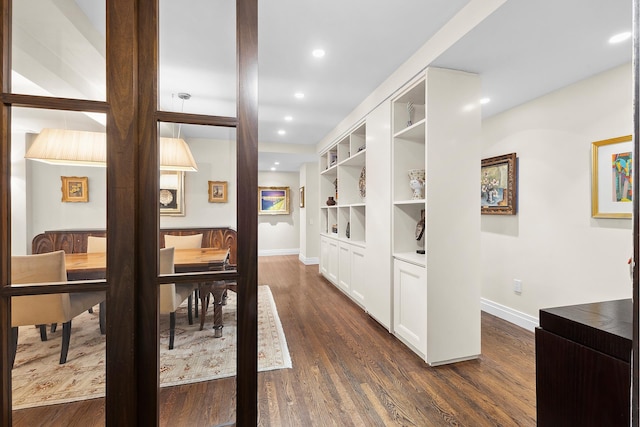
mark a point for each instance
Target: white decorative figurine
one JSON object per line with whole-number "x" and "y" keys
{"x": 416, "y": 182}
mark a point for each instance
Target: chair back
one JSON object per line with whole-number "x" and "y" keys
{"x": 39, "y": 309}
{"x": 167, "y": 290}
{"x": 96, "y": 244}
{"x": 192, "y": 241}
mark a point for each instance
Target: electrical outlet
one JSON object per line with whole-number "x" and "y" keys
{"x": 517, "y": 286}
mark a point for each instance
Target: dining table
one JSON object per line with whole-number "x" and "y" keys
{"x": 91, "y": 266}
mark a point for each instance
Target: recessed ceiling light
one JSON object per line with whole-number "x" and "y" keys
{"x": 273, "y": 169}
{"x": 276, "y": 163}
{"x": 299, "y": 95}
{"x": 485, "y": 101}
{"x": 318, "y": 53}
{"x": 618, "y": 38}
{"x": 281, "y": 132}
{"x": 288, "y": 118}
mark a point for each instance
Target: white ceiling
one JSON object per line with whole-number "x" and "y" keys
{"x": 524, "y": 50}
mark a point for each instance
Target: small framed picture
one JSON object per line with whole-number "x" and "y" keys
{"x": 273, "y": 200}
{"x": 217, "y": 191}
{"x": 172, "y": 193}
{"x": 75, "y": 188}
{"x": 612, "y": 178}
{"x": 499, "y": 185}
{"x": 302, "y": 197}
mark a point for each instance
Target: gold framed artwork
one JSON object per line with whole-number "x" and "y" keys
{"x": 273, "y": 200}
{"x": 611, "y": 178}
{"x": 498, "y": 185}
{"x": 217, "y": 191}
{"x": 302, "y": 197}
{"x": 75, "y": 188}
{"x": 171, "y": 196}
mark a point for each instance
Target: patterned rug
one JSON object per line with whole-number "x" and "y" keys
{"x": 38, "y": 378}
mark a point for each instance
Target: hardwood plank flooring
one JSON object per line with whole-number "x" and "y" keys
{"x": 348, "y": 371}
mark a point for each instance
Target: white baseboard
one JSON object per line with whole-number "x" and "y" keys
{"x": 275, "y": 252}
{"x": 510, "y": 315}
{"x": 309, "y": 261}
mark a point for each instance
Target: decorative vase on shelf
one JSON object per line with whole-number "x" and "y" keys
{"x": 416, "y": 182}
{"x": 331, "y": 201}
{"x": 348, "y": 230}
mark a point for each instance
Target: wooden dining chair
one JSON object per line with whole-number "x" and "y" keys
{"x": 171, "y": 294}
{"x": 41, "y": 310}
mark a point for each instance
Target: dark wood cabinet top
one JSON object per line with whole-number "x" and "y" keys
{"x": 604, "y": 326}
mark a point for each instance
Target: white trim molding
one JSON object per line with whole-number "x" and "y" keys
{"x": 510, "y": 315}
{"x": 276, "y": 252}
{"x": 308, "y": 261}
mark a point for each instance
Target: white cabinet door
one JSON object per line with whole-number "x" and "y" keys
{"x": 333, "y": 261}
{"x": 358, "y": 275}
{"x": 410, "y": 305}
{"x": 344, "y": 267}
{"x": 324, "y": 257}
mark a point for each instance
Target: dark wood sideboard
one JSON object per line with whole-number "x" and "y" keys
{"x": 583, "y": 365}
{"x": 74, "y": 241}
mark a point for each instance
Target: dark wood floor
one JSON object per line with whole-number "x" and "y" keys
{"x": 348, "y": 371}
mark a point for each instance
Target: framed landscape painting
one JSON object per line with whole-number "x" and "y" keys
{"x": 273, "y": 200}
{"x": 498, "y": 185}
{"x": 611, "y": 178}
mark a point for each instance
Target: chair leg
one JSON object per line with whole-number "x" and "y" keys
{"x": 43, "y": 332}
{"x": 66, "y": 338}
{"x": 172, "y": 328}
{"x": 190, "y": 308}
{"x": 14, "y": 344}
{"x": 54, "y": 326}
{"x": 90, "y": 310}
{"x": 197, "y": 298}
{"x": 103, "y": 317}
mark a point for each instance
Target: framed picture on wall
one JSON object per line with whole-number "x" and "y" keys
{"x": 498, "y": 185}
{"x": 611, "y": 178}
{"x": 75, "y": 188}
{"x": 273, "y": 200}
{"x": 302, "y": 197}
{"x": 172, "y": 193}
{"x": 217, "y": 191}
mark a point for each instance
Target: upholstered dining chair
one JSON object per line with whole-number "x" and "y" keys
{"x": 96, "y": 244}
{"x": 192, "y": 241}
{"x": 172, "y": 294}
{"x": 52, "y": 308}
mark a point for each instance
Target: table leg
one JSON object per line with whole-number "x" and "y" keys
{"x": 218, "y": 291}
{"x": 203, "y": 291}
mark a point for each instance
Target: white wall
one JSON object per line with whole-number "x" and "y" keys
{"x": 561, "y": 254}
{"x": 309, "y": 220}
{"x": 216, "y": 162}
{"x": 280, "y": 234}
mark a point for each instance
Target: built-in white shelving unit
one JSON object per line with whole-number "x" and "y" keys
{"x": 343, "y": 225}
{"x": 430, "y": 300}
{"x": 436, "y": 294}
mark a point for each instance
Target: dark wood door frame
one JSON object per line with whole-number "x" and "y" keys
{"x": 635, "y": 362}
{"x": 132, "y": 350}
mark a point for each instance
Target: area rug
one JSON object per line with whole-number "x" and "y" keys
{"x": 38, "y": 378}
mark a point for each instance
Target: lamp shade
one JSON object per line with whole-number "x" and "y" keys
{"x": 83, "y": 148}
{"x": 176, "y": 155}
{"x": 69, "y": 147}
